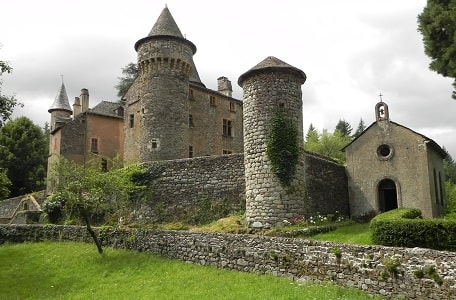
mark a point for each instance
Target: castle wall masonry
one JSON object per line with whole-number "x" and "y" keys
{"x": 184, "y": 183}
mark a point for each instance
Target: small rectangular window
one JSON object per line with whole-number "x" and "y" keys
{"x": 94, "y": 145}
{"x": 232, "y": 106}
{"x": 190, "y": 151}
{"x": 190, "y": 120}
{"x": 154, "y": 144}
{"x": 190, "y": 94}
{"x": 227, "y": 152}
{"x": 132, "y": 120}
{"x": 212, "y": 100}
{"x": 227, "y": 128}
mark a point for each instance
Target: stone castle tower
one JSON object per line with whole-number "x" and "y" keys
{"x": 269, "y": 87}
{"x": 165, "y": 60}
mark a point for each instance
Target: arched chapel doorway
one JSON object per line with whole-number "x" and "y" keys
{"x": 387, "y": 195}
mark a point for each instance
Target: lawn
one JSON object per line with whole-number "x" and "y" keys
{"x": 67, "y": 270}
{"x": 351, "y": 234}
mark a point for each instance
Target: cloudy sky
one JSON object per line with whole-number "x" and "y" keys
{"x": 351, "y": 51}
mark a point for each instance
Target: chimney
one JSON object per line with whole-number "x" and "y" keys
{"x": 76, "y": 106}
{"x": 224, "y": 86}
{"x": 84, "y": 100}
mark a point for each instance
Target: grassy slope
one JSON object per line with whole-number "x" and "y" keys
{"x": 77, "y": 271}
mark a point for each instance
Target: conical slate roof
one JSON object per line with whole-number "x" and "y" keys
{"x": 61, "y": 101}
{"x": 194, "y": 76}
{"x": 165, "y": 25}
{"x": 272, "y": 63}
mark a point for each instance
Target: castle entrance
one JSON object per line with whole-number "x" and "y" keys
{"x": 387, "y": 195}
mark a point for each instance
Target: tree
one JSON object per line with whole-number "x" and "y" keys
{"x": 449, "y": 166}
{"x": 7, "y": 103}
{"x": 23, "y": 153}
{"x": 5, "y": 184}
{"x": 88, "y": 191}
{"x": 130, "y": 72}
{"x": 312, "y": 133}
{"x": 360, "y": 129}
{"x": 329, "y": 144}
{"x": 344, "y": 127}
{"x": 437, "y": 24}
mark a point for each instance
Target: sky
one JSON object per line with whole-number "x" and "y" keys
{"x": 351, "y": 51}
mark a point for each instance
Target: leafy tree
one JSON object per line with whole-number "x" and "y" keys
{"x": 23, "y": 153}
{"x": 312, "y": 134}
{"x": 5, "y": 184}
{"x": 344, "y": 127}
{"x": 437, "y": 24}
{"x": 130, "y": 72}
{"x": 7, "y": 103}
{"x": 88, "y": 191}
{"x": 360, "y": 129}
{"x": 449, "y": 166}
{"x": 329, "y": 144}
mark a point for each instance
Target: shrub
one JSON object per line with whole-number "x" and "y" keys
{"x": 406, "y": 228}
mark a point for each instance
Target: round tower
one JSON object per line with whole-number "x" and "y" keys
{"x": 60, "y": 110}
{"x": 272, "y": 88}
{"x": 165, "y": 65}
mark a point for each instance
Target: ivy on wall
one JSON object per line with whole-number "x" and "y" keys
{"x": 282, "y": 147}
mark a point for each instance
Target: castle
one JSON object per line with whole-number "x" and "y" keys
{"x": 214, "y": 146}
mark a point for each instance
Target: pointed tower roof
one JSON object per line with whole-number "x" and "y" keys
{"x": 165, "y": 27}
{"x": 272, "y": 63}
{"x": 194, "y": 76}
{"x": 61, "y": 101}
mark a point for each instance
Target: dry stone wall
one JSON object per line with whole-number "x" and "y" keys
{"x": 364, "y": 267}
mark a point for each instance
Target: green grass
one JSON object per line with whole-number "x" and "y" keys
{"x": 351, "y": 234}
{"x": 66, "y": 270}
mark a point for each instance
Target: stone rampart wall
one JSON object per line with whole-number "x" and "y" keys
{"x": 362, "y": 267}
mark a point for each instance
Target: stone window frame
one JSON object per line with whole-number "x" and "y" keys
{"x": 382, "y": 154}
{"x": 212, "y": 100}
{"x": 227, "y": 128}
{"x": 132, "y": 120}
{"x": 190, "y": 151}
{"x": 225, "y": 152}
{"x": 190, "y": 121}
{"x": 232, "y": 106}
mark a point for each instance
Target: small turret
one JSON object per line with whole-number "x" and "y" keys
{"x": 60, "y": 110}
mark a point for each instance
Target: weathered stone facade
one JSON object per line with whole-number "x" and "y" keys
{"x": 171, "y": 114}
{"x": 270, "y": 87}
{"x": 391, "y": 166}
{"x": 364, "y": 267}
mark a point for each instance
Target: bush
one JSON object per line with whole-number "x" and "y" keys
{"x": 406, "y": 228}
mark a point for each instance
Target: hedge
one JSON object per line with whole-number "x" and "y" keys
{"x": 405, "y": 227}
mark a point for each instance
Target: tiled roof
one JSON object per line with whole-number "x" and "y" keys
{"x": 106, "y": 108}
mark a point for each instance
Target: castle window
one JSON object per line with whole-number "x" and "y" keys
{"x": 227, "y": 152}
{"x": 227, "y": 128}
{"x": 190, "y": 120}
{"x": 232, "y": 106}
{"x": 384, "y": 152}
{"x": 190, "y": 94}
{"x": 132, "y": 120}
{"x": 212, "y": 100}
{"x": 94, "y": 145}
{"x": 442, "y": 200}
{"x": 190, "y": 151}
{"x": 436, "y": 188}
{"x": 154, "y": 144}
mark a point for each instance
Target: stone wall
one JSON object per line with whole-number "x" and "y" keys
{"x": 189, "y": 188}
{"x": 364, "y": 267}
{"x": 326, "y": 186}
